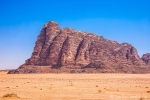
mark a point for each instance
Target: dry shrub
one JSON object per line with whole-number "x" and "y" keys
{"x": 148, "y": 91}
{"x": 12, "y": 95}
{"x": 141, "y": 98}
{"x": 146, "y": 87}
{"x": 99, "y": 91}
{"x": 71, "y": 84}
{"x": 7, "y": 87}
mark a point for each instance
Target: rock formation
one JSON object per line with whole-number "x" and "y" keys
{"x": 146, "y": 58}
{"x": 67, "y": 50}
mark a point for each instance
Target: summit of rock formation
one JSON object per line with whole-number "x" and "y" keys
{"x": 67, "y": 50}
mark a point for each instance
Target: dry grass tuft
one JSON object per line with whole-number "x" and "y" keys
{"x": 148, "y": 91}
{"x": 12, "y": 95}
{"x": 7, "y": 87}
{"x": 146, "y": 87}
{"x": 141, "y": 98}
{"x": 99, "y": 91}
{"x": 71, "y": 84}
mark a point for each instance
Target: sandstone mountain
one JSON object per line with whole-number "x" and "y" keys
{"x": 69, "y": 51}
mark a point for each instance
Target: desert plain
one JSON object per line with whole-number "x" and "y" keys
{"x": 75, "y": 86}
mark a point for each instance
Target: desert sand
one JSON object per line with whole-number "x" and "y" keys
{"x": 75, "y": 86}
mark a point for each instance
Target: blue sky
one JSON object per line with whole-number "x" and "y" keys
{"x": 22, "y": 20}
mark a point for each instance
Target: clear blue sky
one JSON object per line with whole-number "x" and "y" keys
{"x": 22, "y": 20}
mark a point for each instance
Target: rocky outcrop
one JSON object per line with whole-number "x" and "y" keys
{"x": 67, "y": 50}
{"x": 146, "y": 58}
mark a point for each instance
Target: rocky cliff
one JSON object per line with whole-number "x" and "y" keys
{"x": 146, "y": 58}
{"x": 67, "y": 50}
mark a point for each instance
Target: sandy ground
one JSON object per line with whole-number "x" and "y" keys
{"x": 75, "y": 86}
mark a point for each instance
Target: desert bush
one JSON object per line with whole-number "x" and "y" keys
{"x": 141, "y": 98}
{"x": 146, "y": 87}
{"x": 99, "y": 91}
{"x": 7, "y": 87}
{"x": 148, "y": 91}
{"x": 10, "y": 95}
{"x": 71, "y": 84}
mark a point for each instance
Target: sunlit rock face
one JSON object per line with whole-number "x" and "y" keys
{"x": 67, "y": 50}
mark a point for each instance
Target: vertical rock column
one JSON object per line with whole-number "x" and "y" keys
{"x": 52, "y": 31}
{"x": 43, "y": 43}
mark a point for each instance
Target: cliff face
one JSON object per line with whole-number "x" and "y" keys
{"x": 68, "y": 50}
{"x": 146, "y": 58}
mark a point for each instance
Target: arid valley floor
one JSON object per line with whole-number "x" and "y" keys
{"x": 75, "y": 86}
